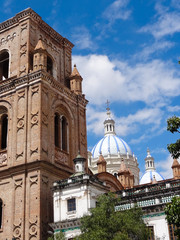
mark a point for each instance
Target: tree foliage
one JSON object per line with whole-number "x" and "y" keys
{"x": 57, "y": 236}
{"x": 104, "y": 223}
{"x": 173, "y": 125}
{"x": 172, "y": 212}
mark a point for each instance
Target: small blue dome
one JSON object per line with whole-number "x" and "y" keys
{"x": 147, "y": 177}
{"x": 111, "y": 144}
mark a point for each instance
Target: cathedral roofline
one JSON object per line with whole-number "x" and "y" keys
{"x": 29, "y": 13}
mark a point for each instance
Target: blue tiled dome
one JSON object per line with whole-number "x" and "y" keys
{"x": 111, "y": 144}
{"x": 147, "y": 177}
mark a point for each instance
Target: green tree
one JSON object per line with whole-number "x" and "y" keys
{"x": 173, "y": 125}
{"x": 57, "y": 236}
{"x": 172, "y": 212}
{"x": 104, "y": 223}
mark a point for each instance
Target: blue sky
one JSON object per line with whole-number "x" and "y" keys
{"x": 127, "y": 51}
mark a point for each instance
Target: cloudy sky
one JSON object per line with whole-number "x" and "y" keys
{"x": 127, "y": 51}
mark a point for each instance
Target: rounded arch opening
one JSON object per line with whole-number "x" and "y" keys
{"x": 3, "y": 127}
{"x": 4, "y": 65}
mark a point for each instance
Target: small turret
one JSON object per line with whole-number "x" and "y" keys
{"x": 40, "y": 57}
{"x": 76, "y": 81}
{"x": 176, "y": 169}
{"x": 101, "y": 163}
{"x": 79, "y": 165}
{"x": 125, "y": 176}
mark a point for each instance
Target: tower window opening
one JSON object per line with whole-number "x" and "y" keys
{"x": 110, "y": 127}
{"x": 64, "y": 132}
{"x": 4, "y": 127}
{"x": 56, "y": 130}
{"x": 49, "y": 65}
{"x": 61, "y": 132}
{"x": 1, "y": 212}
{"x": 4, "y": 65}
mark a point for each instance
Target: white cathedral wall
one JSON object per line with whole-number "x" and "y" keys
{"x": 160, "y": 226}
{"x": 85, "y": 196}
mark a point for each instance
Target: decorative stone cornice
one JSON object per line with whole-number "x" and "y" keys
{"x": 12, "y": 83}
{"x": 29, "y": 13}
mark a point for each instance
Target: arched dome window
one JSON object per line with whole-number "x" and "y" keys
{"x": 4, "y": 65}
{"x": 61, "y": 132}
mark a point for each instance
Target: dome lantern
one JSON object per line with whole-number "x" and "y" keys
{"x": 109, "y": 123}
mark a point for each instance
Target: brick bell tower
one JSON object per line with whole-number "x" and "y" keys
{"x": 42, "y": 123}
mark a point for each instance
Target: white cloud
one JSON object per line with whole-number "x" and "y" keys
{"x": 125, "y": 125}
{"x": 156, "y": 47}
{"x": 173, "y": 108}
{"x": 153, "y": 82}
{"x": 117, "y": 10}
{"x": 82, "y": 38}
{"x": 166, "y": 24}
{"x": 165, "y": 167}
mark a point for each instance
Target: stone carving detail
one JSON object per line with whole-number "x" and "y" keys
{"x": 34, "y": 119}
{"x": 35, "y": 90}
{"x": 7, "y": 39}
{"x": 3, "y": 159}
{"x": 21, "y": 95}
{"x": 17, "y": 230}
{"x": 23, "y": 70}
{"x": 18, "y": 183}
{"x": 45, "y": 119}
{"x": 20, "y": 123}
{"x": 45, "y": 151}
{"x": 45, "y": 180}
{"x": 33, "y": 229}
{"x": 33, "y": 180}
{"x": 23, "y": 49}
{"x": 19, "y": 155}
{"x": 24, "y": 27}
{"x": 61, "y": 157}
{"x": 34, "y": 151}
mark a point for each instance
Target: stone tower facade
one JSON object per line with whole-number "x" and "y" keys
{"x": 42, "y": 123}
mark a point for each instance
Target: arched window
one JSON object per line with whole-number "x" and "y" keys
{"x": 49, "y": 65}
{"x": 57, "y": 130}
{"x": 64, "y": 133}
{"x": 1, "y": 212}
{"x": 4, "y": 65}
{"x": 61, "y": 132}
{"x": 3, "y": 127}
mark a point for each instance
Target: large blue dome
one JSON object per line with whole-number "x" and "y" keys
{"x": 111, "y": 144}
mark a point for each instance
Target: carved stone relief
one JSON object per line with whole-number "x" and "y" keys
{"x": 7, "y": 39}
{"x": 17, "y": 231}
{"x": 61, "y": 157}
{"x": 45, "y": 180}
{"x": 34, "y": 119}
{"x": 33, "y": 229}
{"x": 18, "y": 183}
{"x": 33, "y": 180}
{"x": 3, "y": 159}
{"x": 20, "y": 123}
{"x": 23, "y": 49}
